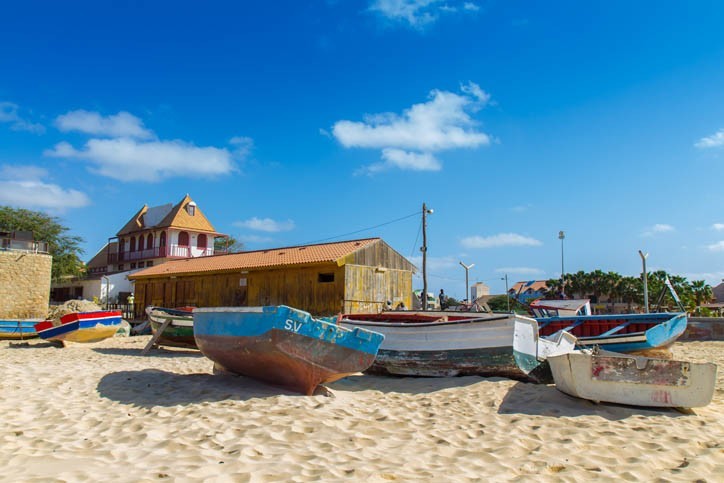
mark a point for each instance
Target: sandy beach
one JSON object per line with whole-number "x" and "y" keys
{"x": 104, "y": 412}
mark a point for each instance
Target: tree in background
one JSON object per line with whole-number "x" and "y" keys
{"x": 64, "y": 249}
{"x": 228, "y": 245}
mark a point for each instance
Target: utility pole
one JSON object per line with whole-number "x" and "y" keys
{"x": 507, "y": 295}
{"x": 561, "y": 237}
{"x": 644, "y": 256}
{"x": 423, "y": 249}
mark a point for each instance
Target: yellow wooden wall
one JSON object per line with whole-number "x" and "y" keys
{"x": 365, "y": 280}
{"x": 367, "y": 289}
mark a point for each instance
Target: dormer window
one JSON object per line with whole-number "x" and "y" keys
{"x": 191, "y": 208}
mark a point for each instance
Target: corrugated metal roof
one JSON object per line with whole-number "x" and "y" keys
{"x": 275, "y": 257}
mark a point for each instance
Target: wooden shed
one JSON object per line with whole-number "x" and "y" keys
{"x": 323, "y": 279}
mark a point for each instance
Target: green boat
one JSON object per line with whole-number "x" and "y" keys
{"x": 179, "y": 326}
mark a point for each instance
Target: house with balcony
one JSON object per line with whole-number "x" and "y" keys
{"x": 152, "y": 236}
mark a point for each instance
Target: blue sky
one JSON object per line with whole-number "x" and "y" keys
{"x": 296, "y": 122}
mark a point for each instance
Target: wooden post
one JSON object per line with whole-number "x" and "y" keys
{"x": 156, "y": 336}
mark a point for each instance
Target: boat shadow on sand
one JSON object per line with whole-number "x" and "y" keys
{"x": 546, "y": 400}
{"x": 154, "y": 387}
{"x": 155, "y": 352}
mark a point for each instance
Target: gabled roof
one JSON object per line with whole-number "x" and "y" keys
{"x": 276, "y": 257}
{"x": 532, "y": 285}
{"x": 100, "y": 259}
{"x": 168, "y": 216}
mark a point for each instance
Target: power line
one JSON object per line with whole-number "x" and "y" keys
{"x": 363, "y": 229}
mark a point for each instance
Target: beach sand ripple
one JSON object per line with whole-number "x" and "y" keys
{"x": 104, "y": 412}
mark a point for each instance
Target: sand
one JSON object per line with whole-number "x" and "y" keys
{"x": 103, "y": 412}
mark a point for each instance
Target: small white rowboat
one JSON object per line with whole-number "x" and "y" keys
{"x": 603, "y": 376}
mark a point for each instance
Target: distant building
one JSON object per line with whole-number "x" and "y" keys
{"x": 153, "y": 235}
{"x": 718, "y": 292}
{"x": 527, "y": 291}
{"x": 479, "y": 290}
{"x": 25, "y": 268}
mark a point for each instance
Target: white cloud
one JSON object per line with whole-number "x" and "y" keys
{"x": 713, "y": 141}
{"x": 122, "y": 124}
{"x": 418, "y": 13}
{"x": 520, "y": 270}
{"x": 266, "y": 224}
{"x": 717, "y": 247}
{"x": 397, "y": 158}
{"x": 439, "y": 124}
{"x": 500, "y": 240}
{"x": 127, "y": 159}
{"x": 718, "y": 226}
{"x": 408, "y": 140}
{"x": 658, "y": 228}
{"x": 9, "y": 114}
{"x": 23, "y": 186}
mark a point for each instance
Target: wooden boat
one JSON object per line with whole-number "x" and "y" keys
{"x": 179, "y": 332}
{"x": 441, "y": 344}
{"x": 18, "y": 329}
{"x": 282, "y": 345}
{"x": 635, "y": 380}
{"x": 82, "y": 326}
{"x": 618, "y": 332}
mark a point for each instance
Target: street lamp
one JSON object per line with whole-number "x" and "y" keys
{"x": 507, "y": 295}
{"x": 644, "y": 256}
{"x": 467, "y": 287}
{"x": 561, "y": 237}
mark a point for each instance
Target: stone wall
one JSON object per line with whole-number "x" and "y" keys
{"x": 24, "y": 284}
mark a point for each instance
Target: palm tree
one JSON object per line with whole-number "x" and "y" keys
{"x": 702, "y": 292}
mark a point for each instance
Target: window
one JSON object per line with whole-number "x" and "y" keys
{"x": 191, "y": 208}
{"x": 140, "y": 264}
{"x": 133, "y": 244}
{"x": 120, "y": 267}
{"x": 325, "y": 277}
{"x": 149, "y": 263}
{"x": 149, "y": 241}
{"x": 133, "y": 265}
{"x": 163, "y": 239}
{"x": 201, "y": 242}
{"x": 183, "y": 239}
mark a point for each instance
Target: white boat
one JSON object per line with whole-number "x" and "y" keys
{"x": 442, "y": 344}
{"x": 604, "y": 376}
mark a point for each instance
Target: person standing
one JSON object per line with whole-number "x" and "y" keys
{"x": 442, "y": 299}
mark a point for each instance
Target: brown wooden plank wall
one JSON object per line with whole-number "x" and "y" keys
{"x": 298, "y": 287}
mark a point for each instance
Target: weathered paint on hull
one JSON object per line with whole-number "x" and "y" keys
{"x": 639, "y": 381}
{"x": 175, "y": 336}
{"x": 494, "y": 361}
{"x": 284, "y": 358}
{"x": 18, "y": 329}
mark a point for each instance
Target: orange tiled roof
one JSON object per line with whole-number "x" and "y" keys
{"x": 177, "y": 217}
{"x": 534, "y": 286}
{"x": 275, "y": 257}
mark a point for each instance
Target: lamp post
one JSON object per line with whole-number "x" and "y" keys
{"x": 644, "y": 256}
{"x": 425, "y": 211}
{"x": 507, "y": 295}
{"x": 561, "y": 237}
{"x": 467, "y": 286}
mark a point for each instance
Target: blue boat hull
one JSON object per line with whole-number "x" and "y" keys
{"x": 18, "y": 329}
{"x": 630, "y": 332}
{"x": 282, "y": 345}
